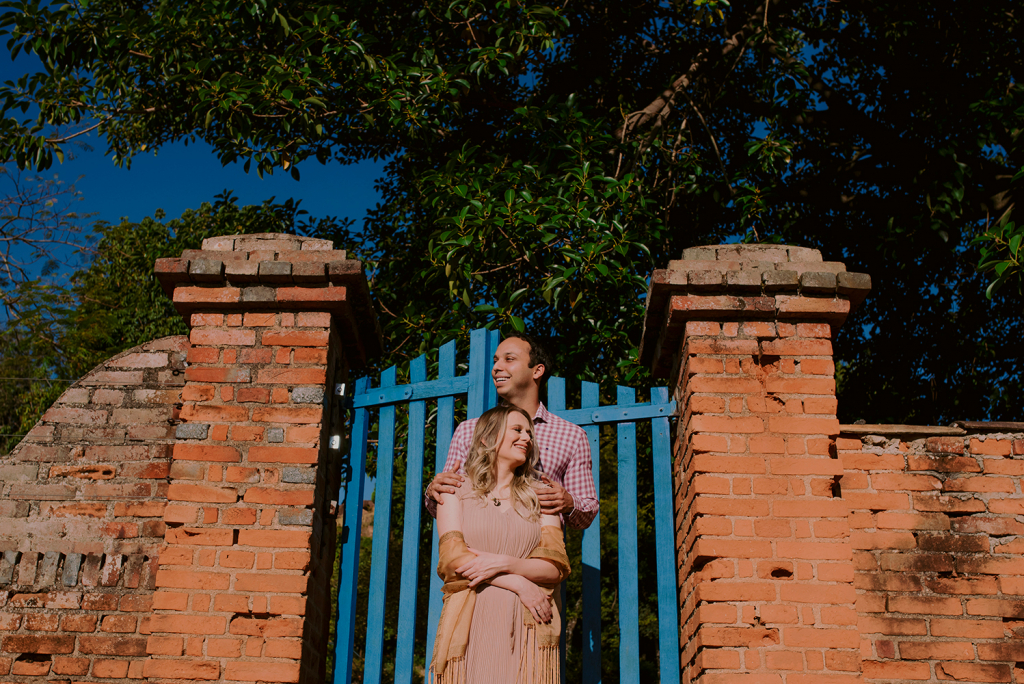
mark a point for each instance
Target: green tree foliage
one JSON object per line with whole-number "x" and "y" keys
{"x": 542, "y": 160}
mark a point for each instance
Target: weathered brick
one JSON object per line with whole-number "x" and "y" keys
{"x": 38, "y": 492}
{"x": 228, "y": 374}
{"x": 182, "y": 669}
{"x": 975, "y": 672}
{"x": 291, "y": 376}
{"x": 945, "y": 445}
{"x": 188, "y": 579}
{"x": 206, "y": 452}
{"x": 261, "y": 454}
{"x": 273, "y": 538}
{"x": 110, "y": 669}
{"x": 268, "y": 671}
{"x": 296, "y": 338}
{"x": 221, "y": 337}
{"x": 70, "y": 666}
{"x": 203, "y": 493}
{"x": 77, "y": 416}
{"x": 265, "y": 582}
{"x": 39, "y": 644}
{"x": 188, "y": 624}
{"x": 991, "y": 447}
{"x": 200, "y": 536}
{"x": 207, "y": 413}
{"x": 277, "y": 497}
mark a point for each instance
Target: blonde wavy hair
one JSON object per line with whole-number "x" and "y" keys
{"x": 482, "y": 462}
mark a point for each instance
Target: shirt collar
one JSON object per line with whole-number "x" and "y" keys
{"x": 542, "y": 415}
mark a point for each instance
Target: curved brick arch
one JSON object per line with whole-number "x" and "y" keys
{"x": 81, "y": 519}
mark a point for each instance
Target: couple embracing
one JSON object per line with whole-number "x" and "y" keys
{"x": 512, "y": 478}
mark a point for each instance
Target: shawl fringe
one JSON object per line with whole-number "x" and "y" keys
{"x": 541, "y": 660}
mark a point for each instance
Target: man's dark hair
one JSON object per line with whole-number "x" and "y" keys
{"x": 538, "y": 354}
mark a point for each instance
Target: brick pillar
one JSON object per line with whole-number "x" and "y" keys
{"x": 763, "y": 539}
{"x": 243, "y": 586}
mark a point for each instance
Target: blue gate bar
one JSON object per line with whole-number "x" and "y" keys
{"x": 445, "y": 428}
{"x": 591, "y": 397}
{"x": 556, "y": 402}
{"x": 618, "y": 414}
{"x": 493, "y": 340}
{"x": 348, "y": 571}
{"x": 479, "y": 364}
{"x": 411, "y": 529}
{"x": 374, "y": 662}
{"x": 664, "y": 542}
{"x": 629, "y": 593}
{"x": 443, "y": 387}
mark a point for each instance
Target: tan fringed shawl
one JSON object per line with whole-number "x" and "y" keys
{"x": 541, "y": 659}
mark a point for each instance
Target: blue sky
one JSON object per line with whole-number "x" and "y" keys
{"x": 180, "y": 177}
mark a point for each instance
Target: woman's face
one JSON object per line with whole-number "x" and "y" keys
{"x": 515, "y": 443}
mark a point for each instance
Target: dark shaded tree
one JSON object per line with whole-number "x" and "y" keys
{"x": 542, "y": 160}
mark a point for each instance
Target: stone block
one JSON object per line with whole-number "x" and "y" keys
{"x": 803, "y": 254}
{"x": 275, "y": 272}
{"x": 239, "y": 272}
{"x": 7, "y": 565}
{"x": 314, "y": 244}
{"x": 224, "y": 243}
{"x": 206, "y": 271}
{"x": 309, "y": 272}
{"x": 72, "y": 564}
{"x": 816, "y": 281}
{"x": 293, "y": 516}
{"x": 19, "y": 473}
{"x": 700, "y": 254}
{"x": 743, "y": 280}
{"x": 298, "y": 475}
{"x": 774, "y": 281}
{"x": 259, "y": 294}
{"x": 275, "y": 435}
{"x": 853, "y": 284}
{"x": 308, "y": 395}
{"x": 192, "y": 431}
{"x": 704, "y": 280}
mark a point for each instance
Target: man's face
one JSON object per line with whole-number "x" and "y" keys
{"x": 511, "y": 371}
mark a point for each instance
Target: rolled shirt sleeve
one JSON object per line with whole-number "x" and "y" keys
{"x": 579, "y": 482}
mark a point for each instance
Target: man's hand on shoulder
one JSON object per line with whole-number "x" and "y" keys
{"x": 443, "y": 483}
{"x": 554, "y": 498}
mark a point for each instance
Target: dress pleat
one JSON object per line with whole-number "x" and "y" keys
{"x": 501, "y": 648}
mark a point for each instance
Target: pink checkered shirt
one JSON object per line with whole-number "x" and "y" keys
{"x": 564, "y": 455}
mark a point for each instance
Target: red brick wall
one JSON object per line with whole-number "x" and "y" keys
{"x": 810, "y": 552}
{"x": 81, "y": 521}
{"x": 243, "y": 587}
{"x": 743, "y": 333}
{"x": 247, "y": 503}
{"x": 938, "y": 538}
{"x": 171, "y": 517}
{"x": 765, "y": 558}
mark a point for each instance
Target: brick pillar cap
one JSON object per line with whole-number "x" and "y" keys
{"x": 275, "y": 272}
{"x": 744, "y": 282}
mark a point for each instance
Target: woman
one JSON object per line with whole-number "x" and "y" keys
{"x": 500, "y": 559}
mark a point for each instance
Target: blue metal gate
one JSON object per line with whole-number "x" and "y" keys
{"x": 480, "y": 395}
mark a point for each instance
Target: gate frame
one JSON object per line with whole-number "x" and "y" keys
{"x": 482, "y": 395}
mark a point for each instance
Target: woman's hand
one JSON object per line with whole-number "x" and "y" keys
{"x": 536, "y": 600}
{"x": 483, "y": 567}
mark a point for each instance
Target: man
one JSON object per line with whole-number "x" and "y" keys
{"x": 519, "y": 371}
